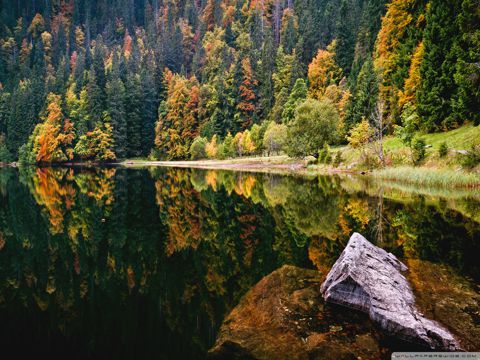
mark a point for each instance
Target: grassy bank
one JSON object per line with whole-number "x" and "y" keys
{"x": 430, "y": 177}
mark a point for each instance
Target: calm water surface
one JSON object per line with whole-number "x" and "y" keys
{"x": 117, "y": 263}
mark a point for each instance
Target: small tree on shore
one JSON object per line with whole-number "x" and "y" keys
{"x": 275, "y": 137}
{"x": 197, "y": 149}
{"x": 315, "y": 124}
{"x": 379, "y": 128}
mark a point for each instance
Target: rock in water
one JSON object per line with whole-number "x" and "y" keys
{"x": 368, "y": 278}
{"x": 283, "y": 318}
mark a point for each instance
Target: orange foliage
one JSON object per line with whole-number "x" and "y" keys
{"x": 63, "y": 14}
{"x": 130, "y": 277}
{"x": 413, "y": 81}
{"x": 37, "y": 25}
{"x": 55, "y": 135}
{"x": 322, "y": 72}
{"x": 127, "y": 45}
{"x": 57, "y": 198}
{"x": 2, "y": 241}
{"x": 399, "y": 18}
{"x": 394, "y": 24}
{"x": 247, "y": 94}
{"x": 176, "y": 130}
{"x": 182, "y": 203}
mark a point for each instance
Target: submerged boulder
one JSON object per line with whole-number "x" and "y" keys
{"x": 367, "y": 278}
{"x": 283, "y": 317}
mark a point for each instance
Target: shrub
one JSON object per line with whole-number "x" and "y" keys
{"x": 472, "y": 157}
{"x": 443, "y": 150}
{"x": 221, "y": 152}
{"x": 418, "y": 151}
{"x": 370, "y": 161}
{"x": 360, "y": 135}
{"x": 257, "y": 133}
{"x": 324, "y": 156}
{"x": 337, "y": 160}
{"x": 197, "y": 149}
{"x": 155, "y": 154}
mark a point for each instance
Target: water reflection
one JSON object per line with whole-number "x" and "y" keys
{"x": 142, "y": 263}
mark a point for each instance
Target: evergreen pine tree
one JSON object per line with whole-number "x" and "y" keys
{"x": 115, "y": 91}
{"x": 363, "y": 102}
{"x": 133, "y": 111}
{"x": 434, "y": 98}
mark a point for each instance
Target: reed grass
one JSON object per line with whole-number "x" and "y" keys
{"x": 430, "y": 177}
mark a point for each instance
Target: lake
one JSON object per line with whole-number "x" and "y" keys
{"x": 146, "y": 263}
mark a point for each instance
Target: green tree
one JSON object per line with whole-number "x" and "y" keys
{"x": 115, "y": 91}
{"x": 283, "y": 78}
{"x": 315, "y": 123}
{"x": 364, "y": 100}
{"x": 437, "y": 70}
{"x": 5, "y": 155}
{"x": 257, "y": 132}
{"x": 466, "y": 102}
{"x": 197, "y": 149}
{"x": 298, "y": 95}
{"x": 228, "y": 146}
{"x": 133, "y": 111}
{"x": 275, "y": 137}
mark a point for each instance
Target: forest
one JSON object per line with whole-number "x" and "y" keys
{"x": 84, "y": 80}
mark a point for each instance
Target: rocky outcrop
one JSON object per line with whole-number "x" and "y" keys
{"x": 283, "y": 317}
{"x": 367, "y": 278}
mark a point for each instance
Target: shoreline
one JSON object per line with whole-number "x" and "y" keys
{"x": 273, "y": 165}
{"x": 283, "y": 165}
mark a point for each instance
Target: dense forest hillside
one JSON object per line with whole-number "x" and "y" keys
{"x": 105, "y": 80}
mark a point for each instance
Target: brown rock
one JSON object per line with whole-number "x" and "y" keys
{"x": 283, "y": 317}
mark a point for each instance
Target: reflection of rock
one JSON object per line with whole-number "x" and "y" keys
{"x": 368, "y": 278}
{"x": 449, "y": 298}
{"x": 283, "y": 317}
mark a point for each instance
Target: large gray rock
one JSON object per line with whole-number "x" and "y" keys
{"x": 369, "y": 279}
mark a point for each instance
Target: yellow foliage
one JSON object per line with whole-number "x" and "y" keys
{"x": 358, "y": 209}
{"x": 360, "y": 135}
{"x": 247, "y": 143}
{"x": 37, "y": 25}
{"x": 212, "y": 148}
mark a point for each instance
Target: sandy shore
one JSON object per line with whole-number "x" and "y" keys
{"x": 273, "y": 164}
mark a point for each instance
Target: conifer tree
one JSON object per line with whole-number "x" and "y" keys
{"x": 298, "y": 95}
{"x": 115, "y": 91}
{"x": 437, "y": 88}
{"x": 364, "y": 100}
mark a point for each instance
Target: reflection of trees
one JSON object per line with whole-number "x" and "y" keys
{"x": 322, "y": 215}
{"x": 302, "y": 210}
{"x": 171, "y": 253}
{"x": 439, "y": 235}
{"x": 180, "y": 202}
{"x": 59, "y": 192}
